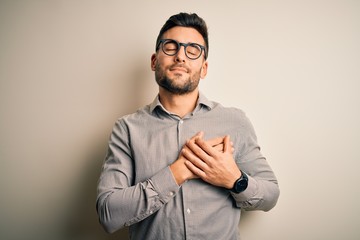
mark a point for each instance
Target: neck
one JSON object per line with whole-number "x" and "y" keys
{"x": 180, "y": 105}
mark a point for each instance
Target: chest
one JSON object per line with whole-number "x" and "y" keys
{"x": 155, "y": 145}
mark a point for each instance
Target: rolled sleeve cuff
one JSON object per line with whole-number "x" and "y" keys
{"x": 247, "y": 195}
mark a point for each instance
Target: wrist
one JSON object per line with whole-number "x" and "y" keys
{"x": 178, "y": 173}
{"x": 240, "y": 184}
{"x": 234, "y": 178}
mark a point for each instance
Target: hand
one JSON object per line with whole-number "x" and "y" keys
{"x": 215, "y": 167}
{"x": 180, "y": 171}
{"x": 216, "y": 143}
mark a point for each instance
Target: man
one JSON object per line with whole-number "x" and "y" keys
{"x": 183, "y": 167}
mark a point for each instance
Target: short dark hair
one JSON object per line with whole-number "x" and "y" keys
{"x": 186, "y": 20}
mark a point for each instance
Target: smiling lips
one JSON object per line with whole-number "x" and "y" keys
{"x": 179, "y": 68}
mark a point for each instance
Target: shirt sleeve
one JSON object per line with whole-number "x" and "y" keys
{"x": 263, "y": 191}
{"x": 120, "y": 202}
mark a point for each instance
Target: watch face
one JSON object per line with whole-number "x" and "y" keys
{"x": 241, "y": 185}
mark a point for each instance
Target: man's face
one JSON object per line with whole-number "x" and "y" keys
{"x": 178, "y": 74}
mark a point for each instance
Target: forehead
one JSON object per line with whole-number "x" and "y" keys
{"x": 184, "y": 34}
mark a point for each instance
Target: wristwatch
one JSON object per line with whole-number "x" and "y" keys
{"x": 241, "y": 183}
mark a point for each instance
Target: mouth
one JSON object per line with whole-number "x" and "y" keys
{"x": 178, "y": 69}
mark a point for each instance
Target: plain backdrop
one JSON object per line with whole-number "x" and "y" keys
{"x": 69, "y": 69}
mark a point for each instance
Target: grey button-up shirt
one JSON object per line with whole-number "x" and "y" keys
{"x": 137, "y": 189}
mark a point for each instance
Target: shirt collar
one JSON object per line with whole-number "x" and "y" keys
{"x": 202, "y": 101}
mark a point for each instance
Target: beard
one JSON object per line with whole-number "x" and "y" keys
{"x": 180, "y": 87}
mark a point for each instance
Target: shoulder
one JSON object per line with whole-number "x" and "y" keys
{"x": 231, "y": 112}
{"x": 139, "y": 116}
{"x": 233, "y": 117}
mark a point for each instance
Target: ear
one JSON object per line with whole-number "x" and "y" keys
{"x": 153, "y": 62}
{"x": 204, "y": 68}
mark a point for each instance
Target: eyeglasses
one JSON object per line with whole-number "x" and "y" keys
{"x": 171, "y": 47}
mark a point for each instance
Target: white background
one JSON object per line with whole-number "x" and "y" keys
{"x": 69, "y": 69}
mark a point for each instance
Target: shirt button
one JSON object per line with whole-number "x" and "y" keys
{"x": 171, "y": 193}
{"x": 181, "y": 121}
{"x": 188, "y": 210}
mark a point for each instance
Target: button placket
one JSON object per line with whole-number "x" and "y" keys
{"x": 179, "y": 130}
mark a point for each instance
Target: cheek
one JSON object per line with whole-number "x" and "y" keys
{"x": 161, "y": 64}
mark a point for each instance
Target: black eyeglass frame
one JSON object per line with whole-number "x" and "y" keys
{"x": 179, "y": 44}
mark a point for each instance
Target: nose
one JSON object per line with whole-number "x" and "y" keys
{"x": 180, "y": 55}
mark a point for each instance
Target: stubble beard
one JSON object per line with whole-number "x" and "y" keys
{"x": 171, "y": 85}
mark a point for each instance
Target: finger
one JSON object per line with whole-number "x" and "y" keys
{"x": 227, "y": 144}
{"x": 196, "y": 136}
{"x": 193, "y": 158}
{"x": 195, "y": 170}
{"x": 199, "y": 152}
{"x": 206, "y": 148}
{"x": 215, "y": 141}
{"x": 199, "y": 135}
{"x": 219, "y": 147}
